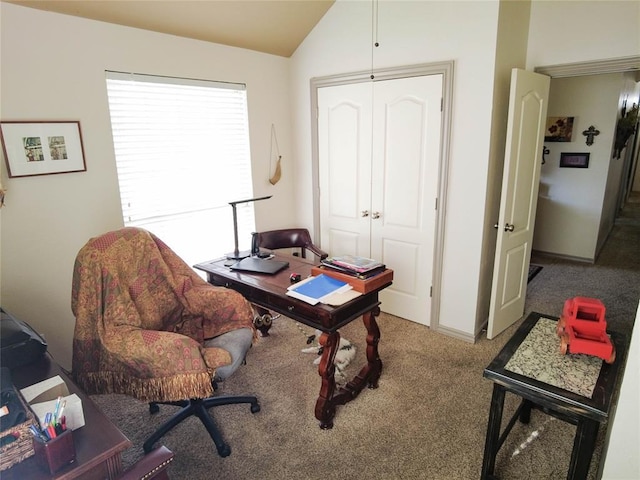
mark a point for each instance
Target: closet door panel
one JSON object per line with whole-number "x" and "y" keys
{"x": 344, "y": 145}
{"x": 406, "y": 155}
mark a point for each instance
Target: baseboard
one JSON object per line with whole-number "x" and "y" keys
{"x": 563, "y": 257}
{"x": 452, "y": 332}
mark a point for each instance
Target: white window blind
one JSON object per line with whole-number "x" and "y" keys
{"x": 182, "y": 154}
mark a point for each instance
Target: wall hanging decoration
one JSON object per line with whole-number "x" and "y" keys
{"x": 574, "y": 160}
{"x": 559, "y": 129}
{"x": 275, "y": 178}
{"x": 42, "y": 148}
{"x": 545, "y": 152}
{"x": 590, "y": 133}
{"x": 625, "y": 128}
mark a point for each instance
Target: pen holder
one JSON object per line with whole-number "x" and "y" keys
{"x": 56, "y": 453}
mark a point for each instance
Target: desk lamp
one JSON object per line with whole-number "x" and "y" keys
{"x": 237, "y": 254}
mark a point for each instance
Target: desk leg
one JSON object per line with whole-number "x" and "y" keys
{"x": 325, "y": 407}
{"x": 492, "y": 445}
{"x": 371, "y": 373}
{"x": 368, "y": 375}
{"x": 583, "y": 447}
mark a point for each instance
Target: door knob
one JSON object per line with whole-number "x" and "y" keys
{"x": 508, "y": 228}
{"x": 365, "y": 213}
{"x": 375, "y": 215}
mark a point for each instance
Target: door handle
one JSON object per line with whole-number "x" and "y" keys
{"x": 508, "y": 228}
{"x": 365, "y": 213}
{"x": 375, "y": 215}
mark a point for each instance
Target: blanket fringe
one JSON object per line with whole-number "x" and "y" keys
{"x": 167, "y": 389}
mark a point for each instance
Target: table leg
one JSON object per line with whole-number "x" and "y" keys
{"x": 583, "y": 447}
{"x": 325, "y": 407}
{"x": 491, "y": 445}
{"x": 372, "y": 371}
{"x": 525, "y": 413}
{"x": 368, "y": 375}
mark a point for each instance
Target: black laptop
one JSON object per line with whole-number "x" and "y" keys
{"x": 259, "y": 265}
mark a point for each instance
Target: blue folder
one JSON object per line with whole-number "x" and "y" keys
{"x": 320, "y": 286}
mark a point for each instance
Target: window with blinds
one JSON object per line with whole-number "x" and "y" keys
{"x": 182, "y": 154}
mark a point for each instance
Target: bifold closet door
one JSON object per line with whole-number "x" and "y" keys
{"x": 379, "y": 148}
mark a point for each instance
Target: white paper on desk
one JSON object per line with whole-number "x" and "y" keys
{"x": 49, "y": 389}
{"x": 337, "y": 299}
{"x": 72, "y": 412}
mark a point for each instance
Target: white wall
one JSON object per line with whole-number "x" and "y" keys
{"x": 511, "y": 52}
{"x": 621, "y": 460}
{"x": 413, "y": 33}
{"x": 53, "y": 68}
{"x": 618, "y": 167}
{"x": 571, "y": 199}
{"x": 568, "y": 31}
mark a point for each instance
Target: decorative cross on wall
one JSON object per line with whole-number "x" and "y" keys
{"x": 590, "y": 133}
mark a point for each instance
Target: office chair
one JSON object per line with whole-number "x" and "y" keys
{"x": 148, "y": 326}
{"x": 298, "y": 239}
{"x": 153, "y": 466}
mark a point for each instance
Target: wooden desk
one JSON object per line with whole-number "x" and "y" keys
{"x": 269, "y": 291}
{"x": 584, "y": 412}
{"x": 98, "y": 444}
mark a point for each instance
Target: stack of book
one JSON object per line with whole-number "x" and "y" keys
{"x": 359, "y": 267}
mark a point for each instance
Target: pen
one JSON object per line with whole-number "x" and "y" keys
{"x": 57, "y": 407}
{"x": 37, "y": 433}
{"x": 64, "y": 404}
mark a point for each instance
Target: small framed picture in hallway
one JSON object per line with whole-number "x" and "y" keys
{"x": 574, "y": 160}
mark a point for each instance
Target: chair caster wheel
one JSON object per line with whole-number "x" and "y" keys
{"x": 255, "y": 408}
{"x": 147, "y": 447}
{"x": 224, "y": 450}
{"x": 153, "y": 408}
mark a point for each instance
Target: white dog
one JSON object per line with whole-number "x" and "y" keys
{"x": 345, "y": 354}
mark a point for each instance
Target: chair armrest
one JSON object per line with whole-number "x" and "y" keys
{"x": 152, "y": 466}
{"x": 321, "y": 253}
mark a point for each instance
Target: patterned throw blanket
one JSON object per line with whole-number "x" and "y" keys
{"x": 142, "y": 315}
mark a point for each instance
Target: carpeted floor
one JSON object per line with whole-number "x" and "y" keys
{"x": 427, "y": 419}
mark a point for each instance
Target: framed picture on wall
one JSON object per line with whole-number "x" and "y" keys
{"x": 574, "y": 160}
{"x": 42, "y": 148}
{"x": 559, "y": 129}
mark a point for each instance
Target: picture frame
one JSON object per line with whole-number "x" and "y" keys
{"x": 558, "y": 129}
{"x": 42, "y": 148}
{"x": 574, "y": 160}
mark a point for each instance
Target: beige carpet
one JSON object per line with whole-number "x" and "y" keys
{"x": 427, "y": 419}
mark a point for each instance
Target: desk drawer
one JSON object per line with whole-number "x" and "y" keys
{"x": 316, "y": 317}
{"x": 296, "y": 309}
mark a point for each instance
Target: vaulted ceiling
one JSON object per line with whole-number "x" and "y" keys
{"x": 270, "y": 26}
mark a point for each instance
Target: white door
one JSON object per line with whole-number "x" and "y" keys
{"x": 344, "y": 152}
{"x": 528, "y": 102}
{"x": 379, "y": 150}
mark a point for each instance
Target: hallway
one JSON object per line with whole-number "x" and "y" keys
{"x": 614, "y": 278}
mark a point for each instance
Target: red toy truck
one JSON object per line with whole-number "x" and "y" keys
{"x": 582, "y": 328}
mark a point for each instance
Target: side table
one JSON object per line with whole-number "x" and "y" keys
{"x": 586, "y": 411}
